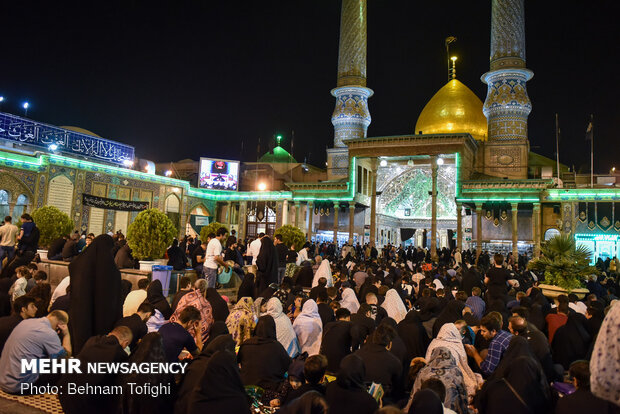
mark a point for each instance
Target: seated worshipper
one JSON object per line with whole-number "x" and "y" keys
{"x": 398, "y": 348}
{"x": 284, "y": 328}
{"x": 135, "y": 297}
{"x": 309, "y": 328}
{"x": 123, "y": 257}
{"x": 23, "y": 308}
{"x": 63, "y": 302}
{"x": 95, "y": 292}
{"x": 363, "y": 325}
{"x": 176, "y": 256}
{"x": 604, "y": 364}
{"x": 241, "y": 320}
{"x": 33, "y": 338}
{"x": 149, "y": 351}
{"x": 163, "y": 312}
{"x": 426, "y": 401}
{"x": 263, "y": 359}
{"x": 451, "y": 313}
{"x": 337, "y": 340}
{"x": 218, "y": 305}
{"x": 305, "y": 275}
{"x": 324, "y": 271}
{"x": 349, "y": 300}
{"x": 382, "y": 367}
{"x": 538, "y": 345}
{"x": 19, "y": 286}
{"x": 325, "y": 311}
{"x": 443, "y": 366}
{"x": 61, "y": 289}
{"x": 319, "y": 287}
{"x": 571, "y": 341}
{"x": 38, "y": 277}
{"x": 247, "y": 289}
{"x": 517, "y": 349}
{"x": 522, "y": 390}
{"x": 378, "y": 313}
{"x": 413, "y": 335}
{"x": 449, "y": 337}
{"x": 185, "y": 286}
{"x": 184, "y": 334}
{"x": 70, "y": 250}
{"x": 196, "y": 370}
{"x": 220, "y": 389}
{"x": 476, "y": 303}
{"x": 284, "y": 292}
{"x": 41, "y": 293}
{"x": 349, "y": 393}
{"x": 437, "y": 386}
{"x": 137, "y": 323}
{"x": 582, "y": 400}
{"x": 100, "y": 348}
{"x": 197, "y": 300}
{"x": 490, "y": 329}
{"x": 394, "y": 306}
{"x": 55, "y": 250}
{"x": 556, "y": 320}
{"x": 126, "y": 287}
{"x": 314, "y": 373}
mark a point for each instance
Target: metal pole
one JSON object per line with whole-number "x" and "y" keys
{"x": 592, "y": 153}
{"x": 557, "y": 145}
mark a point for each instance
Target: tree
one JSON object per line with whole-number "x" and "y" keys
{"x": 210, "y": 228}
{"x": 52, "y": 224}
{"x": 291, "y": 235}
{"x": 150, "y": 234}
{"x": 563, "y": 263}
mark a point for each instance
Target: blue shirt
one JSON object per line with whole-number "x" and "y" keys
{"x": 31, "y": 339}
{"x": 477, "y": 306}
{"x": 497, "y": 347}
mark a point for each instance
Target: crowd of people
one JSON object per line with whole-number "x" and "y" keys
{"x": 320, "y": 329}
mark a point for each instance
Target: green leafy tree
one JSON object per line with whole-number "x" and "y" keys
{"x": 563, "y": 263}
{"x": 292, "y": 235}
{"x": 150, "y": 234}
{"x": 210, "y": 228}
{"x": 52, "y": 224}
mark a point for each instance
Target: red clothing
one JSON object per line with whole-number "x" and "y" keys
{"x": 554, "y": 321}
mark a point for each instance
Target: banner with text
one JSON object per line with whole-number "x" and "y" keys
{"x": 112, "y": 204}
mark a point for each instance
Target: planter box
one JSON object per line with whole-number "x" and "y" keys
{"x": 147, "y": 265}
{"x": 552, "y": 291}
{"x": 42, "y": 254}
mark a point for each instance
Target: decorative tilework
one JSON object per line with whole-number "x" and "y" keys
{"x": 351, "y": 116}
{"x": 352, "y": 47}
{"x": 507, "y": 34}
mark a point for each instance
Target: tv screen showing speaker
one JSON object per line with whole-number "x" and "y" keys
{"x": 218, "y": 174}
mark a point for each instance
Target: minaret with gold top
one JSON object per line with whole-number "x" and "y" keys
{"x": 507, "y": 104}
{"x": 351, "y": 117}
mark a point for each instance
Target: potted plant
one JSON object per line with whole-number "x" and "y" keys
{"x": 292, "y": 236}
{"x": 150, "y": 234}
{"x": 52, "y": 224}
{"x": 564, "y": 265}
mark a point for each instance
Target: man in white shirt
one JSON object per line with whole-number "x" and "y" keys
{"x": 255, "y": 248}
{"x": 458, "y": 258}
{"x": 135, "y": 298}
{"x": 213, "y": 257}
{"x": 302, "y": 256}
{"x": 8, "y": 235}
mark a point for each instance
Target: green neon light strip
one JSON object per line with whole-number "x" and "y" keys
{"x": 11, "y": 158}
{"x": 501, "y": 190}
{"x": 491, "y": 199}
{"x": 458, "y": 168}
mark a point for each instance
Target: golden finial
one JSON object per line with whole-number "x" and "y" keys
{"x": 452, "y": 73}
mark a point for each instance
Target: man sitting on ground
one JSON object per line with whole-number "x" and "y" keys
{"x": 182, "y": 335}
{"x": 137, "y": 323}
{"x": 185, "y": 286}
{"x": 33, "y": 338}
{"x": 23, "y": 308}
{"x": 491, "y": 330}
{"x": 135, "y": 298}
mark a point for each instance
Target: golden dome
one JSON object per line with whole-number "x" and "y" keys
{"x": 453, "y": 109}
{"x": 80, "y": 130}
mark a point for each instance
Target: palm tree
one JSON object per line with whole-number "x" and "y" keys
{"x": 563, "y": 263}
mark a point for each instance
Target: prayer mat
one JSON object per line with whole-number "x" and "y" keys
{"x": 45, "y": 402}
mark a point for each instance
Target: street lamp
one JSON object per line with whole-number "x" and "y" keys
{"x": 53, "y": 147}
{"x": 168, "y": 173}
{"x": 383, "y": 163}
{"x": 439, "y": 161}
{"x": 262, "y": 186}
{"x": 26, "y": 105}
{"x": 1, "y": 100}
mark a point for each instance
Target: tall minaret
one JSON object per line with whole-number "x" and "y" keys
{"x": 351, "y": 116}
{"x": 507, "y": 105}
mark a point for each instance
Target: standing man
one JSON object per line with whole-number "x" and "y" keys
{"x": 497, "y": 279}
{"x": 282, "y": 251}
{"x": 254, "y": 248}
{"x": 8, "y": 234}
{"x": 213, "y": 257}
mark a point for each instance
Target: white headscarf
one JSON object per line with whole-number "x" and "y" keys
{"x": 309, "y": 328}
{"x": 349, "y": 300}
{"x": 394, "y": 306}
{"x": 325, "y": 271}
{"x": 450, "y": 337}
{"x": 605, "y": 361}
{"x": 284, "y": 328}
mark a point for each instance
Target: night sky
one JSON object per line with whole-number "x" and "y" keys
{"x": 185, "y": 79}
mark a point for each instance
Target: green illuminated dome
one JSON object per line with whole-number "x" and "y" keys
{"x": 277, "y": 155}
